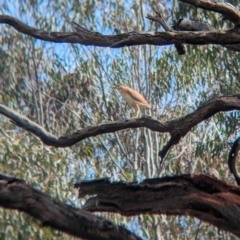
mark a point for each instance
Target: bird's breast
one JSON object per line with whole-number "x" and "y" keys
{"x": 128, "y": 99}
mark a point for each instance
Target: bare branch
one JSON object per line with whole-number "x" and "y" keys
{"x": 30, "y": 126}
{"x": 86, "y": 37}
{"x": 206, "y": 110}
{"x": 178, "y": 128}
{"x": 158, "y": 18}
{"x": 175, "y": 138}
{"x": 232, "y": 158}
{"x": 15, "y": 194}
{"x": 201, "y": 196}
{"x": 227, "y": 10}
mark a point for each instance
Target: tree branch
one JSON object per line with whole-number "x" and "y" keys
{"x": 232, "y": 158}
{"x": 15, "y": 194}
{"x": 226, "y": 9}
{"x": 158, "y": 18}
{"x": 86, "y": 37}
{"x": 190, "y": 25}
{"x": 201, "y": 196}
{"x": 178, "y": 128}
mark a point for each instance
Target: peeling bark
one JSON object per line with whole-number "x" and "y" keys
{"x": 16, "y": 194}
{"x": 203, "y": 197}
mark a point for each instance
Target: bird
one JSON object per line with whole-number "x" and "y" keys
{"x": 133, "y": 98}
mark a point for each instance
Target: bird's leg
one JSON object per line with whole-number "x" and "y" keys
{"x": 149, "y": 112}
{"x": 137, "y": 111}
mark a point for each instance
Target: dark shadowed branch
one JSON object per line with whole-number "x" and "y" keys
{"x": 178, "y": 128}
{"x": 226, "y": 9}
{"x": 232, "y": 158}
{"x": 16, "y": 194}
{"x": 203, "y": 197}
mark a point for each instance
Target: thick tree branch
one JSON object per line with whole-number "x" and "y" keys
{"x": 15, "y": 194}
{"x": 178, "y": 128}
{"x": 86, "y": 37}
{"x": 202, "y": 196}
{"x": 227, "y": 10}
{"x": 232, "y": 158}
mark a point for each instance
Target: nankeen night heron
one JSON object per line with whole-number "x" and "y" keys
{"x": 133, "y": 98}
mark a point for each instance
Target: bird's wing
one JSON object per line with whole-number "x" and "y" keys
{"x": 137, "y": 96}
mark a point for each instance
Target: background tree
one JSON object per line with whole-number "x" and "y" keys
{"x": 65, "y": 87}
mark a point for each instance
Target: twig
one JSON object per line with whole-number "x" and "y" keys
{"x": 158, "y": 18}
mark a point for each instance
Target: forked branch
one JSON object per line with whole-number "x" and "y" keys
{"x": 178, "y": 128}
{"x": 158, "y": 18}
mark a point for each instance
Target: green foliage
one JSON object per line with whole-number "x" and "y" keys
{"x": 67, "y": 87}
